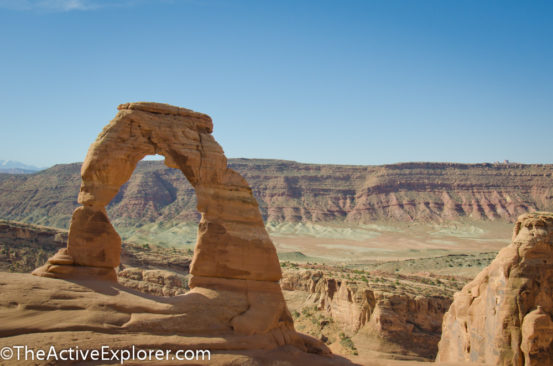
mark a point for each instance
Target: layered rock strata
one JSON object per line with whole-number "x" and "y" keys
{"x": 235, "y": 269}
{"x": 157, "y": 282}
{"x": 411, "y": 323}
{"x": 288, "y": 191}
{"x": 503, "y": 317}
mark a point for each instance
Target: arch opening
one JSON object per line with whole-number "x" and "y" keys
{"x": 156, "y": 206}
{"x": 232, "y": 242}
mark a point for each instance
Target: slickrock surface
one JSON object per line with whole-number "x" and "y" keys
{"x": 40, "y": 312}
{"x": 235, "y": 269}
{"x": 503, "y": 317}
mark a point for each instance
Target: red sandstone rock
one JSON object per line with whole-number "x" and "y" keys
{"x": 42, "y": 312}
{"x": 92, "y": 239}
{"x": 235, "y": 269}
{"x": 232, "y": 240}
{"x": 503, "y": 317}
{"x": 537, "y": 338}
{"x": 408, "y": 321}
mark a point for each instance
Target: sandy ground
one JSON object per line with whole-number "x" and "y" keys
{"x": 384, "y": 242}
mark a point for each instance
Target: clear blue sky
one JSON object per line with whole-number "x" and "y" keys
{"x": 352, "y": 82}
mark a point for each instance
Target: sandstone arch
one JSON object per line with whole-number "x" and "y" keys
{"x": 234, "y": 254}
{"x": 235, "y": 301}
{"x": 232, "y": 241}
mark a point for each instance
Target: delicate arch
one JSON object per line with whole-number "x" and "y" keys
{"x": 232, "y": 241}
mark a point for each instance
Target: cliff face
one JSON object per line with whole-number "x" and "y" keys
{"x": 503, "y": 317}
{"x": 292, "y": 192}
{"x": 405, "y": 320}
{"x": 23, "y": 247}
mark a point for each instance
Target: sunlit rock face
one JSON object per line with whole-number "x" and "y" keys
{"x": 412, "y": 323}
{"x": 503, "y": 317}
{"x": 232, "y": 241}
{"x": 235, "y": 269}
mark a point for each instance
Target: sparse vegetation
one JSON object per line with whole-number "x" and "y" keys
{"x": 32, "y": 250}
{"x": 347, "y": 343}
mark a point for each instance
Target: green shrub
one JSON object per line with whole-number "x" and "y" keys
{"x": 347, "y": 343}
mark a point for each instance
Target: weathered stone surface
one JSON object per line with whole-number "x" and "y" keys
{"x": 40, "y": 312}
{"x": 92, "y": 239}
{"x": 71, "y": 272}
{"x": 235, "y": 270}
{"x": 409, "y": 322}
{"x": 537, "y": 336}
{"x": 503, "y": 317}
{"x": 232, "y": 241}
{"x": 153, "y": 281}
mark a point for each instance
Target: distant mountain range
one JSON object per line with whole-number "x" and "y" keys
{"x": 291, "y": 192}
{"x": 15, "y": 167}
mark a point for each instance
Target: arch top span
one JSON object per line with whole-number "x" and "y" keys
{"x": 232, "y": 241}
{"x": 202, "y": 121}
{"x": 181, "y": 135}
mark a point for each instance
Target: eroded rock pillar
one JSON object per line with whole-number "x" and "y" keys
{"x": 503, "y": 316}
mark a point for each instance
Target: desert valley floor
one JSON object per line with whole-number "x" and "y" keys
{"x": 400, "y": 261}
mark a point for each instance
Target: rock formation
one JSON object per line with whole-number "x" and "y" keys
{"x": 409, "y": 322}
{"x": 537, "y": 338}
{"x": 42, "y": 312}
{"x": 232, "y": 241}
{"x": 235, "y": 270}
{"x": 153, "y": 281}
{"x": 294, "y": 192}
{"x": 503, "y": 317}
{"x": 23, "y": 247}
